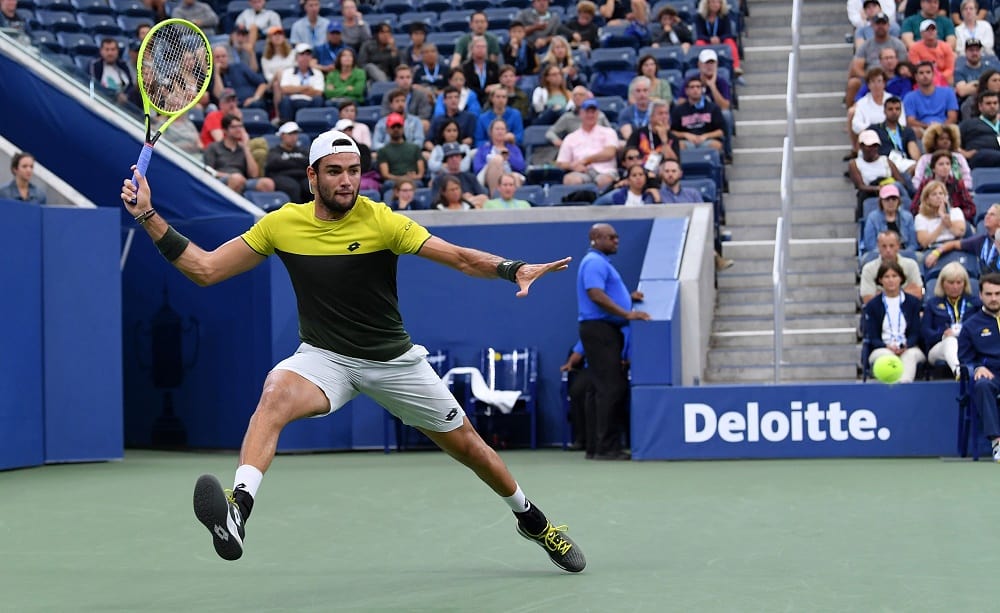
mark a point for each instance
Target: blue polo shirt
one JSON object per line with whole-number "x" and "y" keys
{"x": 597, "y": 271}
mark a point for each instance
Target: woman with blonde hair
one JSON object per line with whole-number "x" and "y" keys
{"x": 943, "y": 315}
{"x": 937, "y": 221}
{"x": 936, "y": 137}
{"x": 560, "y": 54}
{"x": 712, "y": 27}
{"x": 277, "y": 54}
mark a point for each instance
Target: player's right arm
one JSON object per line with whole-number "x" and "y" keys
{"x": 202, "y": 267}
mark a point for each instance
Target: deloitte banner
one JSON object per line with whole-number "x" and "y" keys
{"x": 794, "y": 421}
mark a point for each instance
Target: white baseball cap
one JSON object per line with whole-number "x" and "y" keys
{"x": 708, "y": 55}
{"x": 323, "y": 146}
{"x": 288, "y": 127}
{"x": 343, "y": 124}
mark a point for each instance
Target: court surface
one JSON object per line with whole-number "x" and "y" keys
{"x": 414, "y": 531}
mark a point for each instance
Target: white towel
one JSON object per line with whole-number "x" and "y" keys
{"x": 501, "y": 399}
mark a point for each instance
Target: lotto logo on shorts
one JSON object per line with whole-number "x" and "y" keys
{"x": 702, "y": 423}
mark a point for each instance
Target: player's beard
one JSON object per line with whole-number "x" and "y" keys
{"x": 334, "y": 203}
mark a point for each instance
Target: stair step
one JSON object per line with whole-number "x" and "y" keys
{"x": 800, "y": 253}
{"x": 748, "y": 309}
{"x": 810, "y": 215}
{"x": 733, "y": 278}
{"x": 801, "y": 266}
{"x": 792, "y": 294}
{"x": 800, "y": 372}
{"x": 750, "y": 323}
{"x": 805, "y": 354}
{"x": 846, "y": 336}
{"x": 803, "y": 184}
{"x": 807, "y": 231}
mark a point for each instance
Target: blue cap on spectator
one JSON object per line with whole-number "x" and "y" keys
{"x": 335, "y": 26}
{"x": 450, "y": 149}
{"x": 589, "y": 103}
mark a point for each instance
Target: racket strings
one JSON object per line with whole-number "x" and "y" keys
{"x": 175, "y": 66}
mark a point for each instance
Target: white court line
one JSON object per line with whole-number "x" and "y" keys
{"x": 746, "y": 333}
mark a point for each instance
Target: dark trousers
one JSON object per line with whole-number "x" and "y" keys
{"x": 985, "y": 392}
{"x": 602, "y": 344}
{"x": 580, "y": 394}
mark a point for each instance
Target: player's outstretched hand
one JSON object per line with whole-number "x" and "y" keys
{"x": 140, "y": 195}
{"x": 527, "y": 274}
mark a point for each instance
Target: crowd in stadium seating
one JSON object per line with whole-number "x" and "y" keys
{"x": 926, "y": 146}
{"x": 543, "y": 94}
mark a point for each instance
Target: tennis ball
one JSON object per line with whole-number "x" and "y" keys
{"x": 888, "y": 369}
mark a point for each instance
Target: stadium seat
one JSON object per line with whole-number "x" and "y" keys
{"x": 534, "y": 194}
{"x": 98, "y": 23}
{"x": 285, "y": 8}
{"x": 54, "y": 5}
{"x": 58, "y": 21}
{"x": 376, "y": 19}
{"x": 986, "y": 180}
{"x": 703, "y": 163}
{"x": 500, "y": 18}
{"x": 544, "y": 175}
{"x": 132, "y": 8}
{"x": 676, "y": 80}
{"x": 78, "y": 44}
{"x": 96, "y": 7}
{"x": 440, "y": 361}
{"x": 81, "y": 63}
{"x": 534, "y": 137}
{"x": 197, "y": 117}
{"x": 378, "y": 89}
{"x": 315, "y": 121}
{"x": 445, "y": 42}
{"x": 397, "y": 7}
{"x": 428, "y": 19}
{"x": 603, "y": 60}
{"x": 667, "y": 58}
{"x": 46, "y": 40}
{"x": 706, "y": 187}
{"x": 618, "y": 37}
{"x": 371, "y": 194}
{"x": 256, "y": 122}
{"x": 611, "y": 106}
{"x": 454, "y": 21}
{"x": 422, "y": 198}
{"x": 518, "y": 4}
{"x": 527, "y": 83}
{"x": 435, "y": 6}
{"x": 515, "y": 369}
{"x": 557, "y": 194}
{"x": 232, "y": 10}
{"x": 369, "y": 115}
{"x": 268, "y": 201}
{"x": 477, "y": 5}
{"x": 983, "y": 203}
{"x": 130, "y": 23}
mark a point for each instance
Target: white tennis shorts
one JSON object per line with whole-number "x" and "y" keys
{"x": 406, "y": 386}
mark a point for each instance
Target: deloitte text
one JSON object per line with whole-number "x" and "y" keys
{"x": 701, "y": 423}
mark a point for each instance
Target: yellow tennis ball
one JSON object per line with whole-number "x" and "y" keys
{"x": 888, "y": 368}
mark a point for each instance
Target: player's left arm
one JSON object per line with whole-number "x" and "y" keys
{"x": 477, "y": 263}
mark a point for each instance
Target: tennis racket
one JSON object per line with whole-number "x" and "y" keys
{"x": 174, "y": 69}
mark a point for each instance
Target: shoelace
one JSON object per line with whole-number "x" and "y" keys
{"x": 229, "y": 495}
{"x": 554, "y": 541}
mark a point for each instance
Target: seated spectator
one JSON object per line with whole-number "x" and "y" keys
{"x": 891, "y": 325}
{"x": 232, "y": 160}
{"x": 929, "y": 103}
{"x": 199, "y": 13}
{"x": 941, "y": 167}
{"x": 418, "y": 97}
{"x": 517, "y": 52}
{"x": 447, "y": 133}
{"x": 498, "y": 109}
{"x": 898, "y": 142}
{"x": 517, "y": 99}
{"x": 982, "y": 147}
{"x": 22, "y": 167}
{"x": 864, "y": 22}
{"x": 467, "y": 99}
{"x": 278, "y": 57}
{"x": 449, "y": 196}
{"x": 346, "y": 82}
{"x": 581, "y": 31}
{"x": 937, "y": 222}
{"x": 182, "y": 133}
{"x": 370, "y": 178}
{"x": 870, "y": 171}
{"x": 671, "y": 190}
{"x": 110, "y": 71}
{"x": 403, "y": 195}
{"x": 939, "y": 53}
{"x": 870, "y": 108}
{"x": 712, "y": 27}
{"x": 472, "y": 189}
{"x": 944, "y": 313}
{"x": 615, "y": 12}
{"x": 972, "y": 26}
{"x": 480, "y": 73}
{"x": 399, "y": 158}
{"x": 551, "y": 97}
{"x": 478, "y": 26}
{"x": 635, "y": 192}
{"x": 312, "y": 28}
{"x": 249, "y": 86}
{"x": 888, "y": 251}
{"x": 588, "y": 154}
{"x": 414, "y": 53}
{"x": 659, "y": 89}
{"x": 256, "y": 20}
{"x": 638, "y": 24}
{"x": 430, "y": 72}
{"x": 630, "y": 157}
{"x": 635, "y": 116}
{"x": 356, "y": 31}
{"x": 326, "y": 53}
{"x": 988, "y": 81}
{"x": 672, "y": 30}
{"x": 697, "y": 123}
{"x": 983, "y": 245}
{"x": 10, "y": 19}
{"x": 929, "y": 9}
{"x": 286, "y": 164}
{"x": 540, "y": 25}
{"x": 414, "y": 128}
{"x": 967, "y": 74}
{"x": 655, "y": 143}
{"x": 889, "y": 216}
{"x": 567, "y": 122}
{"x": 379, "y": 56}
{"x": 860, "y": 12}
{"x": 899, "y": 74}
{"x": 506, "y": 187}
{"x": 361, "y": 135}
{"x": 869, "y": 55}
{"x": 561, "y": 54}
{"x": 464, "y": 120}
{"x": 940, "y": 137}
{"x": 211, "y": 128}
{"x": 301, "y": 87}
{"x": 497, "y": 156}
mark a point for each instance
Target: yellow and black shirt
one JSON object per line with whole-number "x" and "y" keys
{"x": 344, "y": 274}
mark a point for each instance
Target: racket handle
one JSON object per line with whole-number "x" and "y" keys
{"x": 143, "y": 163}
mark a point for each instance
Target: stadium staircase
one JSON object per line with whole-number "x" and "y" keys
{"x": 819, "y": 340}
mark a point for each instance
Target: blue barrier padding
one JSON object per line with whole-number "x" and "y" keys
{"x": 794, "y": 421}
{"x": 83, "y": 340}
{"x": 656, "y": 344}
{"x": 665, "y": 249}
{"x": 21, "y": 424}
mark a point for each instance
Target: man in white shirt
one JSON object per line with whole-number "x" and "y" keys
{"x": 588, "y": 154}
{"x": 302, "y": 87}
{"x": 257, "y": 19}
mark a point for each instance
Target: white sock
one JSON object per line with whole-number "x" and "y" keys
{"x": 248, "y": 478}
{"x": 517, "y": 502}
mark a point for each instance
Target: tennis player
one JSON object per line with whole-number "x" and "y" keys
{"x": 353, "y": 341}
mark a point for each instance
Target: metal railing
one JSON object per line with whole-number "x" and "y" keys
{"x": 782, "y": 228}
